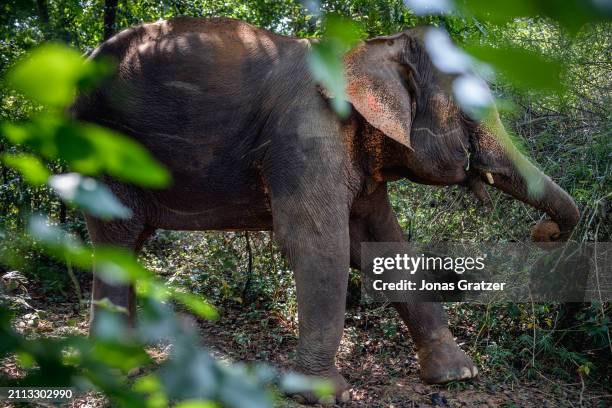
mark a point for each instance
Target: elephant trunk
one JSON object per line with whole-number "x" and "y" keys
{"x": 501, "y": 165}
{"x": 550, "y": 198}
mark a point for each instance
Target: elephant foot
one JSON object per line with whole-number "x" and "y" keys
{"x": 341, "y": 395}
{"x": 442, "y": 361}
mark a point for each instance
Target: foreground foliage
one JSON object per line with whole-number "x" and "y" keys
{"x": 564, "y": 125}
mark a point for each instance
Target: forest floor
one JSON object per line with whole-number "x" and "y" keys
{"x": 383, "y": 373}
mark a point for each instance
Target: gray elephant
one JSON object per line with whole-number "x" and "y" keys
{"x": 252, "y": 144}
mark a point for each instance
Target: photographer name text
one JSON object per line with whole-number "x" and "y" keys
{"x": 412, "y": 264}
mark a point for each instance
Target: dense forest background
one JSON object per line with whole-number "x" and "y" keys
{"x": 562, "y": 350}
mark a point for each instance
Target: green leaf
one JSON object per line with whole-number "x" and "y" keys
{"x": 585, "y": 369}
{"x": 524, "y": 68}
{"x": 16, "y": 134}
{"x": 26, "y": 360}
{"x": 196, "y": 404}
{"x": 49, "y": 75}
{"x": 292, "y": 383}
{"x": 147, "y": 384}
{"x": 38, "y": 135}
{"x": 124, "y": 158}
{"x": 345, "y": 33}
{"x": 58, "y": 242}
{"x": 88, "y": 194}
{"x": 572, "y": 14}
{"x": 151, "y": 385}
{"x": 532, "y": 176}
{"x": 327, "y": 68}
{"x": 89, "y": 149}
{"x": 153, "y": 290}
{"x": 120, "y": 265}
{"x": 106, "y": 304}
{"x": 32, "y": 169}
{"x": 499, "y": 12}
{"x": 325, "y": 59}
{"x": 196, "y": 304}
{"x": 118, "y": 355}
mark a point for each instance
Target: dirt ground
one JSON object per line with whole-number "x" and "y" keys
{"x": 383, "y": 373}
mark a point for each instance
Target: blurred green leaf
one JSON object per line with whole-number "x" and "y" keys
{"x": 324, "y": 388}
{"x": 58, "y": 242}
{"x": 328, "y": 69}
{"x": 52, "y": 73}
{"x": 196, "y": 304}
{"x": 32, "y": 169}
{"x": 343, "y": 32}
{"x": 325, "y": 59}
{"x": 533, "y": 177}
{"x": 121, "y": 356}
{"x": 151, "y": 385}
{"x": 119, "y": 265}
{"x": 88, "y": 194}
{"x": 49, "y": 75}
{"x": 26, "y": 360}
{"x": 292, "y": 383}
{"x": 38, "y": 135}
{"x": 196, "y": 404}
{"x": 125, "y": 159}
{"x": 89, "y": 149}
{"x": 571, "y": 14}
{"x": 499, "y": 12}
{"x": 153, "y": 290}
{"x": 524, "y": 68}
{"x": 106, "y": 304}
{"x": 147, "y": 384}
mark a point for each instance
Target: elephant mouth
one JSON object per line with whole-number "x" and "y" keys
{"x": 479, "y": 177}
{"x": 477, "y": 187}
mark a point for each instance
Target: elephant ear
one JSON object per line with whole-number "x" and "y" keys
{"x": 376, "y": 87}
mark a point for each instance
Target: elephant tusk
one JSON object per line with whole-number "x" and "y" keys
{"x": 489, "y": 177}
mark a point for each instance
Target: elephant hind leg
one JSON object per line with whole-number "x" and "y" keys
{"x": 129, "y": 234}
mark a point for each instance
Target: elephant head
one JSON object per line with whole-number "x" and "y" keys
{"x": 395, "y": 87}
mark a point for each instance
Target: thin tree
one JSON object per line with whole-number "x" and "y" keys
{"x": 110, "y": 18}
{"x": 43, "y": 15}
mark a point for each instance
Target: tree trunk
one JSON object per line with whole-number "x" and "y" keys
{"x": 110, "y": 18}
{"x": 43, "y": 15}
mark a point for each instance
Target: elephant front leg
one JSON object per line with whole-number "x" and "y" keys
{"x": 318, "y": 250}
{"x": 440, "y": 358}
{"x": 321, "y": 281}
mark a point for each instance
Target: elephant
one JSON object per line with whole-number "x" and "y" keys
{"x": 252, "y": 143}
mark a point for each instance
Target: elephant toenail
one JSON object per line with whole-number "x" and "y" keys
{"x": 466, "y": 373}
{"x": 474, "y": 371}
{"x": 345, "y": 396}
